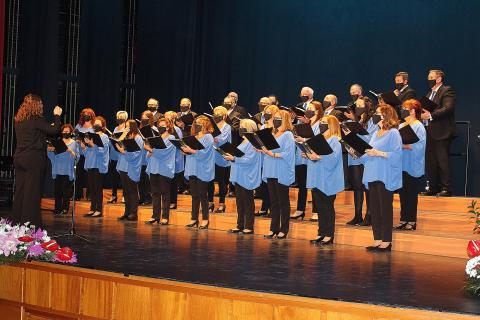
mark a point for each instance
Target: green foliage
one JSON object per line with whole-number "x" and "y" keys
{"x": 472, "y": 287}
{"x": 474, "y": 209}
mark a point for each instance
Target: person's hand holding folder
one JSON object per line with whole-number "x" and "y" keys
{"x": 187, "y": 150}
{"x": 229, "y": 157}
{"x": 375, "y": 153}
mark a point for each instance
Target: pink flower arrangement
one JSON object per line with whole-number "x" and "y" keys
{"x": 25, "y": 242}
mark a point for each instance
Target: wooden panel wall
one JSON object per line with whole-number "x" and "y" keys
{"x": 40, "y": 291}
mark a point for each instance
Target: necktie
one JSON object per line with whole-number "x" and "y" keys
{"x": 432, "y": 95}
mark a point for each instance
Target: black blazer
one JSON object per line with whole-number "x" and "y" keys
{"x": 31, "y": 136}
{"x": 406, "y": 94}
{"x": 443, "y": 124}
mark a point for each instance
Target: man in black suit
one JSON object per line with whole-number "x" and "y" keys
{"x": 441, "y": 129}
{"x": 402, "y": 89}
{"x": 235, "y": 110}
{"x": 262, "y": 104}
{"x": 152, "y": 106}
{"x": 185, "y": 116}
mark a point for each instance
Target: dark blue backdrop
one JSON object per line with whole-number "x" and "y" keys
{"x": 203, "y": 49}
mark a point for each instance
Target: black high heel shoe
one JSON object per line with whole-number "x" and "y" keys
{"x": 211, "y": 206}
{"x": 317, "y": 240}
{"x": 410, "y": 226}
{"x": 113, "y": 200}
{"x": 124, "y": 217}
{"x": 270, "y": 235}
{"x": 192, "y": 225}
{"x": 282, "y": 236}
{"x": 386, "y": 249}
{"x": 152, "y": 221}
{"x": 400, "y": 226}
{"x": 301, "y": 216}
{"x": 164, "y": 222}
{"x": 260, "y": 213}
{"x": 245, "y": 231}
{"x": 204, "y": 226}
{"x": 372, "y": 248}
{"x": 221, "y": 208}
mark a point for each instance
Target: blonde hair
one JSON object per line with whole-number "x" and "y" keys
{"x": 272, "y": 109}
{"x": 122, "y": 115}
{"x": 206, "y": 125}
{"x": 171, "y": 115}
{"x": 286, "y": 121}
{"x": 333, "y": 127}
{"x": 248, "y": 124}
{"x": 220, "y": 111}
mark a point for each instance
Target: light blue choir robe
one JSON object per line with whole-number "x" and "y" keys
{"x": 413, "y": 161}
{"x": 387, "y": 170}
{"x": 246, "y": 170}
{"x": 162, "y": 161}
{"x": 82, "y": 129}
{"x": 179, "y": 157}
{"x": 282, "y": 168}
{"x": 63, "y": 163}
{"x": 371, "y": 129}
{"x": 225, "y": 136}
{"x": 97, "y": 157}
{"x": 202, "y": 163}
{"x": 131, "y": 162}
{"x": 114, "y": 154}
{"x": 326, "y": 174}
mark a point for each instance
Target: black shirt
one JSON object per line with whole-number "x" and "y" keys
{"x": 31, "y": 135}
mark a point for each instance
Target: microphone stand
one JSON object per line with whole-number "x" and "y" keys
{"x": 72, "y": 232}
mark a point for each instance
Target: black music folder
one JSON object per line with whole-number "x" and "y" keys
{"x": 390, "y": 98}
{"x": 147, "y": 132}
{"x": 408, "y": 135}
{"x": 229, "y": 148}
{"x": 114, "y": 142}
{"x": 262, "y": 138}
{"x": 95, "y": 138}
{"x": 187, "y": 118}
{"x": 354, "y": 145}
{"x": 303, "y": 130}
{"x": 193, "y": 143}
{"x": 343, "y": 108}
{"x": 298, "y": 111}
{"x": 216, "y": 129}
{"x": 178, "y": 143}
{"x": 117, "y": 135}
{"x": 130, "y": 145}
{"x": 355, "y": 127}
{"x": 284, "y": 108}
{"x": 428, "y": 104}
{"x": 156, "y": 142}
{"x": 319, "y": 145}
{"x": 58, "y": 144}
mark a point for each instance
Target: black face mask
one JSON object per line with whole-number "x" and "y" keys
{"x": 66, "y": 135}
{"x": 404, "y": 113}
{"x": 309, "y": 114}
{"x": 87, "y": 118}
{"x": 184, "y": 108}
{"x": 354, "y": 97}
{"x": 399, "y": 86}
{"x": 326, "y": 104}
{"x": 144, "y": 122}
{"x": 152, "y": 109}
{"x": 242, "y": 131}
{"x": 267, "y": 116}
{"x": 376, "y": 118}
{"x": 161, "y": 130}
{"x": 323, "y": 127}
{"x": 277, "y": 123}
{"x": 431, "y": 83}
{"x": 120, "y": 121}
{"x": 97, "y": 128}
{"x": 304, "y": 98}
{"x": 217, "y": 119}
{"x": 359, "y": 111}
{"x": 228, "y": 106}
{"x": 197, "y": 128}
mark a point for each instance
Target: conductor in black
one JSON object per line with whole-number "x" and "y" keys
{"x": 31, "y": 131}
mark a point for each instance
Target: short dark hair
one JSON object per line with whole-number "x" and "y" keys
{"x": 402, "y": 74}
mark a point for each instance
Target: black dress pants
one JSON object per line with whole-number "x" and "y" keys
{"x": 144, "y": 186}
{"x": 221, "y": 177}
{"x": 301, "y": 178}
{"x": 130, "y": 193}
{"x": 381, "y": 210}
{"x": 245, "y": 207}
{"x": 409, "y": 198}
{"x": 437, "y": 164}
{"x": 326, "y": 212}
{"x": 199, "y": 193}
{"x": 112, "y": 170}
{"x": 29, "y": 176}
{"x": 63, "y": 192}
{"x": 95, "y": 184}
{"x": 81, "y": 180}
{"x": 356, "y": 176}
{"x": 279, "y": 206}
{"x": 176, "y": 185}
{"x": 160, "y": 186}
{"x": 265, "y": 196}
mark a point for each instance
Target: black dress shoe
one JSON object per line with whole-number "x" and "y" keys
{"x": 244, "y": 231}
{"x": 400, "y": 226}
{"x": 444, "y": 193}
{"x": 192, "y": 225}
{"x": 372, "y": 248}
{"x": 124, "y": 217}
{"x": 97, "y": 214}
{"x": 132, "y": 217}
{"x": 366, "y": 222}
{"x": 205, "y": 226}
{"x": 317, "y": 240}
{"x": 89, "y": 214}
{"x": 301, "y": 216}
{"x": 173, "y": 206}
{"x": 164, "y": 222}
{"x": 260, "y": 213}
{"x": 270, "y": 235}
{"x": 355, "y": 221}
{"x": 282, "y": 235}
{"x": 327, "y": 243}
{"x": 112, "y": 200}
{"x": 221, "y": 208}
{"x": 386, "y": 249}
{"x": 428, "y": 193}
{"x": 152, "y": 221}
